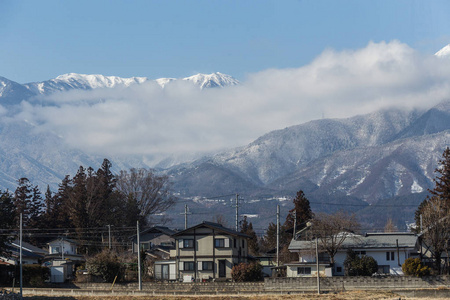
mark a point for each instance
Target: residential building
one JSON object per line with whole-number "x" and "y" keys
{"x": 156, "y": 241}
{"x": 62, "y": 246}
{"x": 390, "y": 250}
{"x": 30, "y": 254}
{"x": 208, "y": 251}
{"x": 62, "y": 259}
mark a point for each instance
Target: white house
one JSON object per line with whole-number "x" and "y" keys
{"x": 62, "y": 246}
{"x": 389, "y": 250}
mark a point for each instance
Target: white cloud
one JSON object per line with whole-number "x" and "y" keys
{"x": 145, "y": 119}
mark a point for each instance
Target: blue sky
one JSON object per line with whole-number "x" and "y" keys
{"x": 43, "y": 39}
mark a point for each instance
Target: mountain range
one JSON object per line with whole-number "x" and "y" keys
{"x": 366, "y": 163}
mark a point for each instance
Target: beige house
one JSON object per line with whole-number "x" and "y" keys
{"x": 208, "y": 251}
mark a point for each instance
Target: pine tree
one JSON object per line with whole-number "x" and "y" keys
{"x": 269, "y": 240}
{"x": 442, "y": 180}
{"x": 23, "y": 201}
{"x": 57, "y": 213}
{"x": 300, "y": 214}
{"x": 7, "y": 221}
{"x": 247, "y": 228}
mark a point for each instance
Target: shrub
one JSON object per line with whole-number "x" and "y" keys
{"x": 106, "y": 265}
{"x": 247, "y": 272}
{"x": 359, "y": 266}
{"x": 414, "y": 267}
{"x": 35, "y": 275}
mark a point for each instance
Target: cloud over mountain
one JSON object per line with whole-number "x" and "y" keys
{"x": 146, "y": 119}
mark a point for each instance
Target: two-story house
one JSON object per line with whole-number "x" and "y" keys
{"x": 156, "y": 241}
{"x": 208, "y": 251}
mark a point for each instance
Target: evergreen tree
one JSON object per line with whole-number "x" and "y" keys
{"x": 57, "y": 208}
{"x": 442, "y": 180}
{"x": 37, "y": 208}
{"x": 28, "y": 202}
{"x": 247, "y": 228}
{"x": 300, "y": 214}
{"x": 7, "y": 221}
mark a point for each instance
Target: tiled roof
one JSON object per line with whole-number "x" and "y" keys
{"x": 215, "y": 226}
{"x": 368, "y": 241}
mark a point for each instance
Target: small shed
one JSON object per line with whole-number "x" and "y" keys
{"x": 165, "y": 270}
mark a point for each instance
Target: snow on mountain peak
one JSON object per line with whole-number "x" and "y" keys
{"x": 212, "y": 80}
{"x": 81, "y": 81}
{"x": 444, "y": 52}
{"x": 98, "y": 80}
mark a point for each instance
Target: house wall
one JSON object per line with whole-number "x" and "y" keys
{"x": 395, "y": 265}
{"x": 155, "y": 239}
{"x": 292, "y": 271}
{"x": 234, "y": 251}
{"x": 58, "y": 246}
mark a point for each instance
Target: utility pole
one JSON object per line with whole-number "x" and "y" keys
{"x": 317, "y": 266}
{"x": 278, "y": 235}
{"x": 109, "y": 236}
{"x": 139, "y": 257}
{"x": 20, "y": 258}
{"x": 295, "y": 224}
{"x": 237, "y": 212}
{"x": 186, "y": 213}
{"x": 421, "y": 224}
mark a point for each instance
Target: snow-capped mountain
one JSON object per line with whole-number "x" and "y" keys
{"x": 212, "y": 80}
{"x": 12, "y": 92}
{"x": 444, "y": 52}
{"x": 81, "y": 82}
{"x": 360, "y": 160}
{"x": 389, "y": 153}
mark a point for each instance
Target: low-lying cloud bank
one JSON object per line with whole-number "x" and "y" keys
{"x": 145, "y": 119}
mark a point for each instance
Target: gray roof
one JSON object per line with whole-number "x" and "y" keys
{"x": 215, "y": 226}
{"x": 368, "y": 241}
{"x": 156, "y": 229}
{"x": 28, "y": 247}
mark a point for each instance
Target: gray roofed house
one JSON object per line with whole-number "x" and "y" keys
{"x": 156, "y": 240}
{"x": 389, "y": 250}
{"x": 30, "y": 254}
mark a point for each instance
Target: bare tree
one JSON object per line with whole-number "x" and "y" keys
{"x": 332, "y": 230}
{"x": 390, "y": 226}
{"x": 436, "y": 227}
{"x": 220, "y": 219}
{"x": 150, "y": 192}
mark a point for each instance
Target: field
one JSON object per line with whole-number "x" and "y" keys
{"x": 354, "y": 295}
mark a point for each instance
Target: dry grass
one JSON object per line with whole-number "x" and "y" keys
{"x": 353, "y": 295}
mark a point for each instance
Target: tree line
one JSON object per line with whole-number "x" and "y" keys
{"x": 85, "y": 202}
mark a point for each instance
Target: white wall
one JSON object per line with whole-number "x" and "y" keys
{"x": 380, "y": 256}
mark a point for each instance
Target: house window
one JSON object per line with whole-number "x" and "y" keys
{"x": 360, "y": 253}
{"x": 339, "y": 269}
{"x": 189, "y": 266}
{"x": 188, "y": 243}
{"x": 390, "y": 255}
{"x": 219, "y": 243}
{"x": 304, "y": 271}
{"x": 207, "y": 265}
{"x": 145, "y": 246}
{"x": 56, "y": 250}
{"x": 235, "y": 244}
{"x": 384, "y": 269}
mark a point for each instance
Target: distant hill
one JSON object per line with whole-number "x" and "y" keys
{"x": 360, "y": 164}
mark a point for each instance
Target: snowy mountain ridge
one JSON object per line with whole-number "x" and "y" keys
{"x": 444, "y": 52}
{"x": 12, "y": 92}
